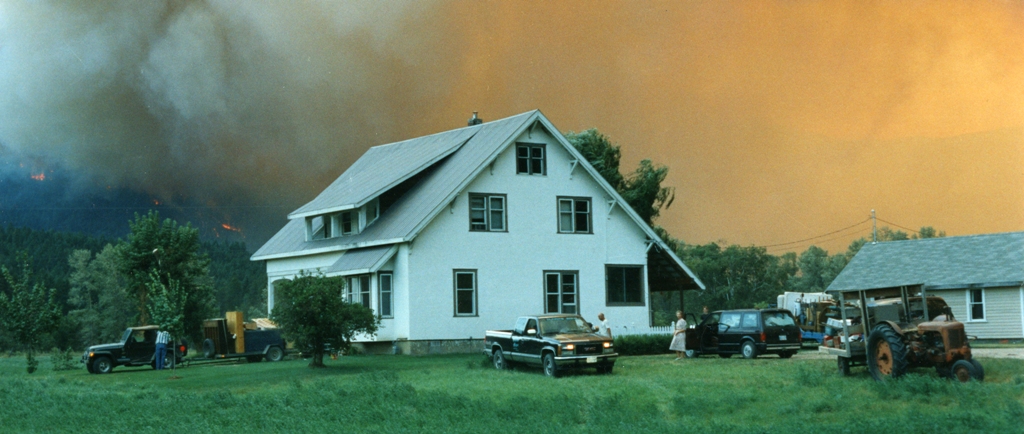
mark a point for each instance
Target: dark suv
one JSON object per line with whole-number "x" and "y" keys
{"x": 750, "y": 332}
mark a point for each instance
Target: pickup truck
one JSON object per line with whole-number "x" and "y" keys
{"x": 136, "y": 348}
{"x": 553, "y": 342}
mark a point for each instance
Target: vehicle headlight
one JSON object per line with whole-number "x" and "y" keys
{"x": 568, "y": 348}
{"x": 607, "y": 344}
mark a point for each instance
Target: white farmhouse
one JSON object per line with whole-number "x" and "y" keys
{"x": 451, "y": 234}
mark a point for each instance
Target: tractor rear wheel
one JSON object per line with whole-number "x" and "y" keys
{"x": 887, "y": 354}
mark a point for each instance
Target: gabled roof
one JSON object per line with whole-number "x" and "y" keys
{"x": 448, "y": 161}
{"x": 976, "y": 261}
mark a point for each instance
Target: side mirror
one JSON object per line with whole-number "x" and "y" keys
{"x": 531, "y": 331}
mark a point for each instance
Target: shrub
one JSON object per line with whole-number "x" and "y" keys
{"x": 63, "y": 360}
{"x": 638, "y": 345}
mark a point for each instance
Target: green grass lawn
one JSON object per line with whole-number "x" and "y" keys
{"x": 462, "y": 394}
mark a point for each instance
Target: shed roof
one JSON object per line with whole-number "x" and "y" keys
{"x": 937, "y": 263}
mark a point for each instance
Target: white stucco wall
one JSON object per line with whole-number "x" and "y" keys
{"x": 510, "y": 265}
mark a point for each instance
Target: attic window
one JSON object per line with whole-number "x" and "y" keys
{"x": 530, "y": 159}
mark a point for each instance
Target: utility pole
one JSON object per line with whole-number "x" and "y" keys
{"x": 874, "y": 228}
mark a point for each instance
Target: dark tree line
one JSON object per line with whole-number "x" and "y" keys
{"x": 99, "y": 284}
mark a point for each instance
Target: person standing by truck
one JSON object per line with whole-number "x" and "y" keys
{"x": 603, "y": 329}
{"x": 161, "y": 349}
{"x": 679, "y": 336}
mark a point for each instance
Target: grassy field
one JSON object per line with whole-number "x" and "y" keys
{"x": 463, "y": 394}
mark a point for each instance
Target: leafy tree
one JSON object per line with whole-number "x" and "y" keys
{"x": 642, "y": 189}
{"x": 172, "y": 253}
{"x": 30, "y": 312}
{"x": 98, "y": 298}
{"x": 817, "y": 270}
{"x": 311, "y": 313}
{"x": 167, "y": 307}
{"x": 735, "y": 277}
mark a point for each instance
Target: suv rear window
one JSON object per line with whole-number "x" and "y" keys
{"x": 777, "y": 319}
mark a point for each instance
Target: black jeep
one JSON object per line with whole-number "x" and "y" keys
{"x": 137, "y": 348}
{"x": 750, "y": 332}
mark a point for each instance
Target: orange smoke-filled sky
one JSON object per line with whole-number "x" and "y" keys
{"x": 779, "y": 121}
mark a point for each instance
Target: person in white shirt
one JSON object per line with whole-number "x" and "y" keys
{"x": 161, "y": 349}
{"x": 798, "y": 311}
{"x": 604, "y": 328}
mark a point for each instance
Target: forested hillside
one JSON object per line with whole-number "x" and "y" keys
{"x": 238, "y": 284}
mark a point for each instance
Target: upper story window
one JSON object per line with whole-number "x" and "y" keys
{"x": 574, "y": 215}
{"x": 487, "y": 212}
{"x": 530, "y": 159}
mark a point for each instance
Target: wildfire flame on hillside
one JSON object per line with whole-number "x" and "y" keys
{"x": 40, "y": 177}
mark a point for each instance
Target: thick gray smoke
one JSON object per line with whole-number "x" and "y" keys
{"x": 220, "y": 103}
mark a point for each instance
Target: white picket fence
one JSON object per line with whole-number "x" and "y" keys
{"x": 641, "y": 330}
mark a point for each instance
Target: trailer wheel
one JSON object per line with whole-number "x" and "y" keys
{"x": 274, "y": 354}
{"x": 978, "y": 369}
{"x": 748, "y": 350}
{"x": 844, "y": 366}
{"x": 209, "y": 349}
{"x": 550, "y": 368}
{"x": 887, "y": 354}
{"x": 102, "y": 365}
{"x": 499, "y": 360}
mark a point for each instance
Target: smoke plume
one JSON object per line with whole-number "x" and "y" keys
{"x": 778, "y": 120}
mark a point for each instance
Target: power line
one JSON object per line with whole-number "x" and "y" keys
{"x": 865, "y": 232}
{"x": 819, "y": 236}
{"x": 901, "y": 227}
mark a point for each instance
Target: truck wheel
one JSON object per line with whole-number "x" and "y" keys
{"x": 102, "y": 365}
{"x": 499, "y": 360}
{"x": 209, "y": 349}
{"x": 274, "y": 354}
{"x": 978, "y": 369}
{"x": 844, "y": 366}
{"x": 887, "y": 354}
{"x": 550, "y": 368}
{"x": 963, "y": 371}
{"x": 749, "y": 351}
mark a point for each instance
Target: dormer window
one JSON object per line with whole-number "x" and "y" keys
{"x": 349, "y": 222}
{"x": 530, "y": 159}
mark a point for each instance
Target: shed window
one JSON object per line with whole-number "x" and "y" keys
{"x": 976, "y": 304}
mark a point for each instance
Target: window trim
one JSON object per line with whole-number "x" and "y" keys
{"x": 643, "y": 285}
{"x": 391, "y": 294}
{"x": 971, "y": 303}
{"x": 573, "y": 200}
{"x": 561, "y": 303}
{"x": 455, "y": 292}
{"x": 487, "y": 211}
{"x": 529, "y": 167}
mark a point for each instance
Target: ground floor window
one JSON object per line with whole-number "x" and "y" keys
{"x": 384, "y": 291}
{"x": 976, "y": 304}
{"x": 358, "y": 290}
{"x": 465, "y": 292}
{"x": 561, "y": 291}
{"x": 624, "y": 285}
